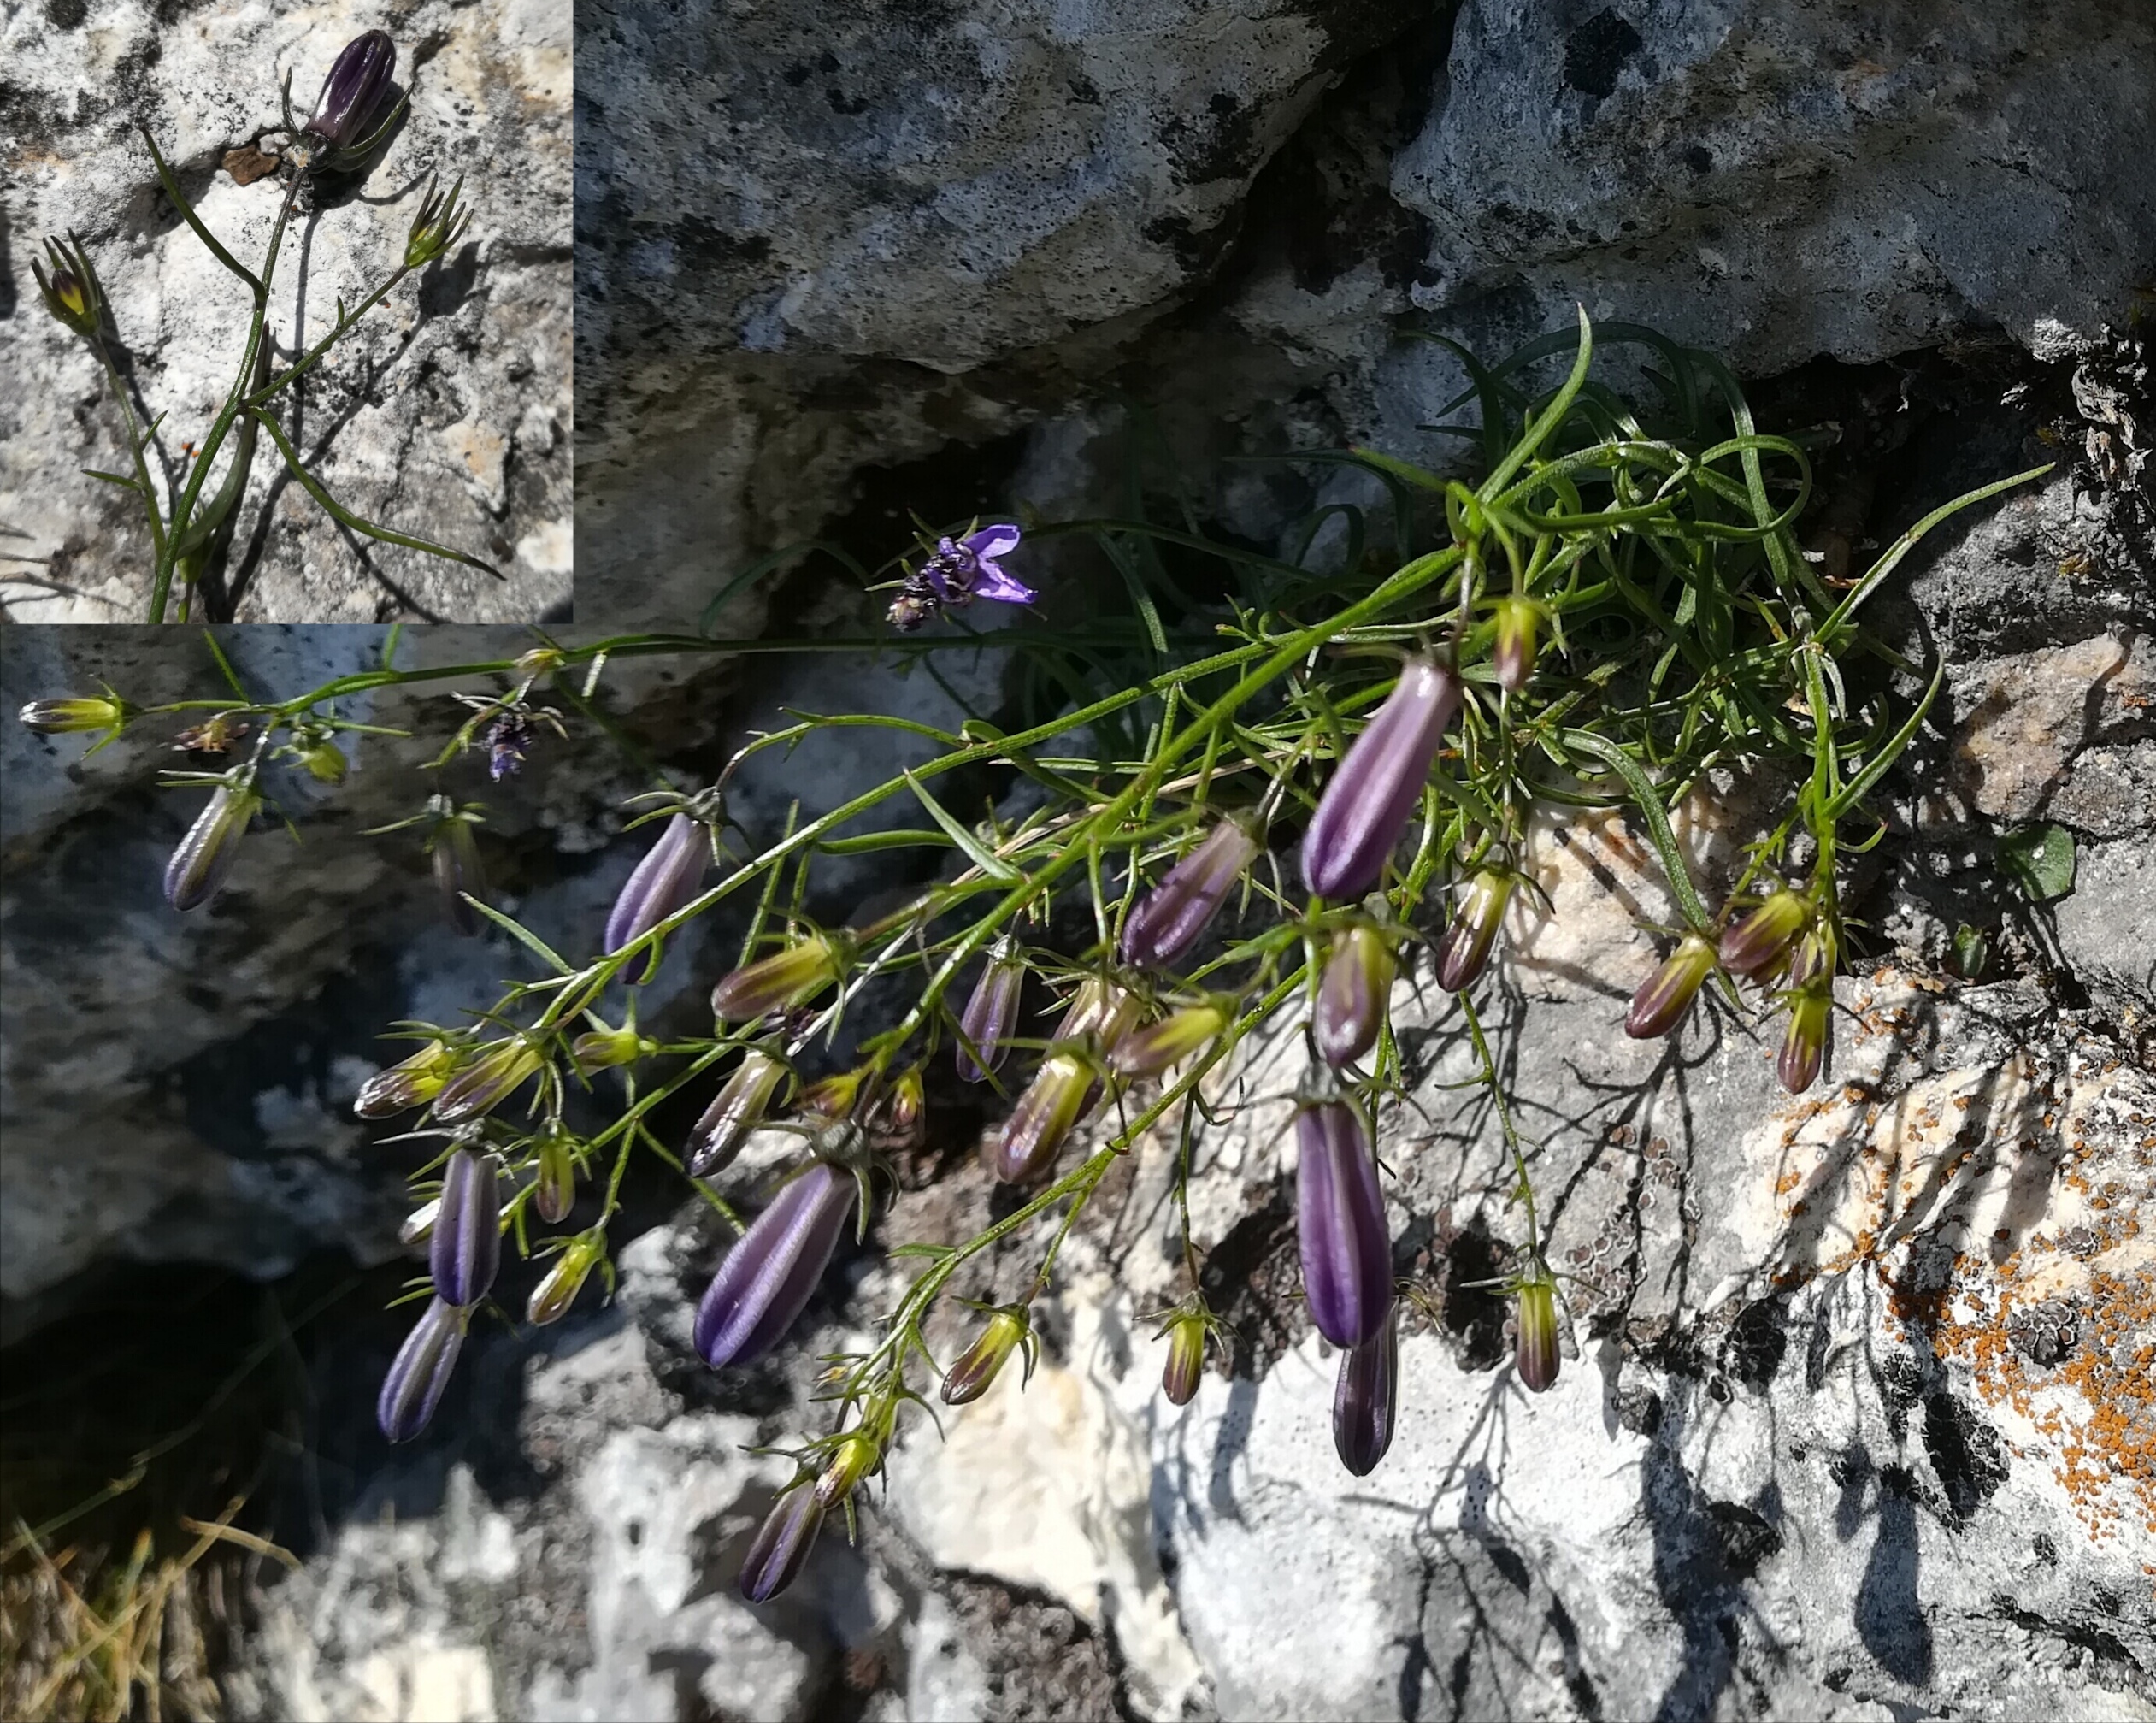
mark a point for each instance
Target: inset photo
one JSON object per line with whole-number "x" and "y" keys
{"x": 284, "y": 312}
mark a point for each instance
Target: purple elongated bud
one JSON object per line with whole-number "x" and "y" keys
{"x": 1535, "y": 1351}
{"x": 669, "y": 875}
{"x": 1169, "y": 919}
{"x": 1666, "y": 995}
{"x": 466, "y": 1251}
{"x": 1186, "y": 1365}
{"x": 199, "y": 866}
{"x": 766, "y": 1279}
{"x": 554, "y": 1187}
{"x": 1051, "y": 1106}
{"x": 556, "y": 1291}
{"x": 1365, "y": 1398}
{"x": 1374, "y": 791}
{"x": 1804, "y": 1040}
{"x": 968, "y": 1378}
{"x": 1811, "y": 960}
{"x": 1464, "y": 952}
{"x": 737, "y": 1109}
{"x": 785, "y": 978}
{"x": 1756, "y": 944}
{"x": 1339, "y": 1219}
{"x": 1512, "y": 654}
{"x": 420, "y": 1371}
{"x": 477, "y": 1090}
{"x": 782, "y": 1545}
{"x": 991, "y": 1010}
{"x": 357, "y": 81}
{"x": 458, "y": 871}
{"x": 1353, "y": 994}
{"x": 412, "y": 1082}
{"x": 1150, "y": 1051}
{"x": 1100, "y": 1009}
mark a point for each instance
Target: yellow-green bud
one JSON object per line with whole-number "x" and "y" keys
{"x": 552, "y": 1298}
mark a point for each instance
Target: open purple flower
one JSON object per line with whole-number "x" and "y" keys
{"x": 960, "y": 571}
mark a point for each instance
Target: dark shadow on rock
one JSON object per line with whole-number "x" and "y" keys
{"x": 1890, "y": 1618}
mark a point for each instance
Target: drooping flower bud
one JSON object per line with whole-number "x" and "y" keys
{"x": 70, "y": 293}
{"x": 990, "y": 1010}
{"x": 1006, "y": 1330}
{"x": 1512, "y": 652}
{"x": 1464, "y": 952}
{"x": 322, "y": 760}
{"x": 1186, "y": 1367}
{"x": 905, "y": 1111}
{"x": 667, "y": 877}
{"x": 1666, "y": 995}
{"x": 1052, "y": 1105}
{"x": 58, "y": 717}
{"x": 832, "y": 1097}
{"x": 418, "y": 1225}
{"x": 1340, "y": 1219}
{"x": 1535, "y": 1351}
{"x": 557, "y": 1288}
{"x": 1353, "y": 994}
{"x": 466, "y": 1251}
{"x": 554, "y": 1186}
{"x": 1100, "y": 1009}
{"x": 1151, "y": 1050}
{"x": 1378, "y": 784}
{"x": 499, "y": 1072}
{"x": 412, "y": 1082}
{"x": 204, "y": 857}
{"x": 1756, "y": 944}
{"x": 782, "y": 1544}
{"x": 413, "y": 1388}
{"x": 1804, "y": 1040}
{"x": 602, "y": 1049}
{"x": 1812, "y": 959}
{"x": 767, "y": 1279}
{"x": 1365, "y": 1398}
{"x": 785, "y": 978}
{"x": 458, "y": 874}
{"x": 1167, "y": 920}
{"x": 853, "y": 1458}
{"x": 358, "y": 79}
{"x": 738, "y": 1109}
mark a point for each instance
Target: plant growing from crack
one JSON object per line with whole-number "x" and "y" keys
{"x": 192, "y": 526}
{"x": 1616, "y": 610}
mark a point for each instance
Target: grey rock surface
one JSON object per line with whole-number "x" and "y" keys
{"x": 446, "y": 413}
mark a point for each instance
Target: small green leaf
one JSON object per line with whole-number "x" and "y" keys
{"x": 1972, "y": 952}
{"x": 2042, "y": 857}
{"x": 983, "y": 857}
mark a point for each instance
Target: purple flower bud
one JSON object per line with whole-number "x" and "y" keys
{"x": 832, "y": 1097}
{"x": 499, "y": 1071}
{"x": 976, "y": 1368}
{"x": 1100, "y": 1010}
{"x": 466, "y": 1251}
{"x": 205, "y": 855}
{"x": 785, "y": 978}
{"x": 1464, "y": 950}
{"x": 413, "y": 1388}
{"x": 556, "y": 1291}
{"x": 667, "y": 877}
{"x": 1756, "y": 944}
{"x": 1151, "y": 1050}
{"x": 1365, "y": 1398}
{"x": 1376, "y": 789}
{"x": 1339, "y": 1213}
{"x": 738, "y": 1109}
{"x": 782, "y": 1545}
{"x": 1811, "y": 960}
{"x": 1804, "y": 1041}
{"x": 1666, "y": 995}
{"x": 1169, "y": 919}
{"x": 1051, "y": 1106}
{"x": 1353, "y": 992}
{"x": 458, "y": 871}
{"x": 354, "y": 89}
{"x": 989, "y": 1014}
{"x": 1535, "y": 1352}
{"x": 1186, "y": 1366}
{"x": 766, "y": 1279}
{"x": 412, "y": 1082}
{"x": 1512, "y": 655}
{"x": 554, "y": 1187}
